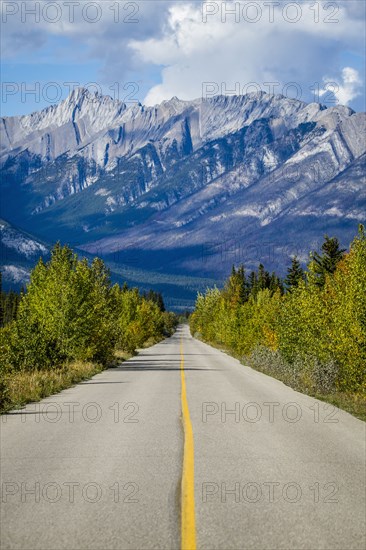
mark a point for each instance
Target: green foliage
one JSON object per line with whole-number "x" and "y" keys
{"x": 155, "y": 297}
{"x": 65, "y": 314}
{"x": 328, "y": 321}
{"x": 71, "y": 313}
{"x": 345, "y": 295}
{"x": 314, "y": 335}
{"x": 295, "y": 274}
{"x": 236, "y": 288}
{"x": 326, "y": 263}
{"x": 170, "y": 322}
{"x": 220, "y": 317}
{"x": 138, "y": 320}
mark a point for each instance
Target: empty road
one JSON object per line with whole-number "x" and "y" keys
{"x": 182, "y": 443}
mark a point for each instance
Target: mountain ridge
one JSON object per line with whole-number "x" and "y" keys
{"x": 166, "y": 181}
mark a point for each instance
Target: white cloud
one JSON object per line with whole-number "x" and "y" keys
{"x": 28, "y": 26}
{"x": 233, "y": 53}
{"x": 304, "y": 41}
{"x": 346, "y": 89}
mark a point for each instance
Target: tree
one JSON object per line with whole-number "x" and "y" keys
{"x": 70, "y": 312}
{"x": 242, "y": 284}
{"x": 314, "y": 334}
{"x": 155, "y": 297}
{"x": 264, "y": 279}
{"x": 253, "y": 283}
{"x": 295, "y": 274}
{"x": 236, "y": 288}
{"x": 325, "y": 264}
{"x": 345, "y": 296}
{"x": 275, "y": 283}
{"x": 66, "y": 313}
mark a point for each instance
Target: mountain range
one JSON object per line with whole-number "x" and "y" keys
{"x": 178, "y": 192}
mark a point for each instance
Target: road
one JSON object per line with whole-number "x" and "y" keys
{"x": 100, "y": 465}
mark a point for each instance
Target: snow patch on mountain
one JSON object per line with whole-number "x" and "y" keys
{"x": 13, "y": 274}
{"x": 102, "y": 192}
{"x": 17, "y": 241}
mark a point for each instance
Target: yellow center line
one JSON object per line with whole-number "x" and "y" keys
{"x": 188, "y": 522}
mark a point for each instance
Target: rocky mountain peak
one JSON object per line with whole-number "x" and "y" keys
{"x": 168, "y": 180}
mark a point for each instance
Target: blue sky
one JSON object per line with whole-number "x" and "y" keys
{"x": 151, "y": 50}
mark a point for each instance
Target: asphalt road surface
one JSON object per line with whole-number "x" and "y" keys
{"x": 100, "y": 465}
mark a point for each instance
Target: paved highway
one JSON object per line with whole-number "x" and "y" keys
{"x": 182, "y": 446}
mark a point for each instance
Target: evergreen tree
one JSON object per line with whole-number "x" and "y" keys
{"x": 263, "y": 278}
{"x": 253, "y": 283}
{"x": 242, "y": 284}
{"x": 295, "y": 274}
{"x": 155, "y": 297}
{"x": 275, "y": 283}
{"x": 325, "y": 264}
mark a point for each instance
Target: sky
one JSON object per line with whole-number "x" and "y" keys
{"x": 152, "y": 50}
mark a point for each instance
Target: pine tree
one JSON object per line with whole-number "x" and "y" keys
{"x": 155, "y": 297}
{"x": 275, "y": 283}
{"x": 295, "y": 274}
{"x": 325, "y": 264}
{"x": 253, "y": 283}
{"x": 243, "y": 284}
{"x": 263, "y": 278}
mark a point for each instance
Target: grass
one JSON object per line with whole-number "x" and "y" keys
{"x": 19, "y": 388}
{"x": 23, "y": 387}
{"x": 354, "y": 403}
{"x": 119, "y": 356}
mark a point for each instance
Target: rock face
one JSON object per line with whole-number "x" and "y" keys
{"x": 19, "y": 253}
{"x": 186, "y": 186}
